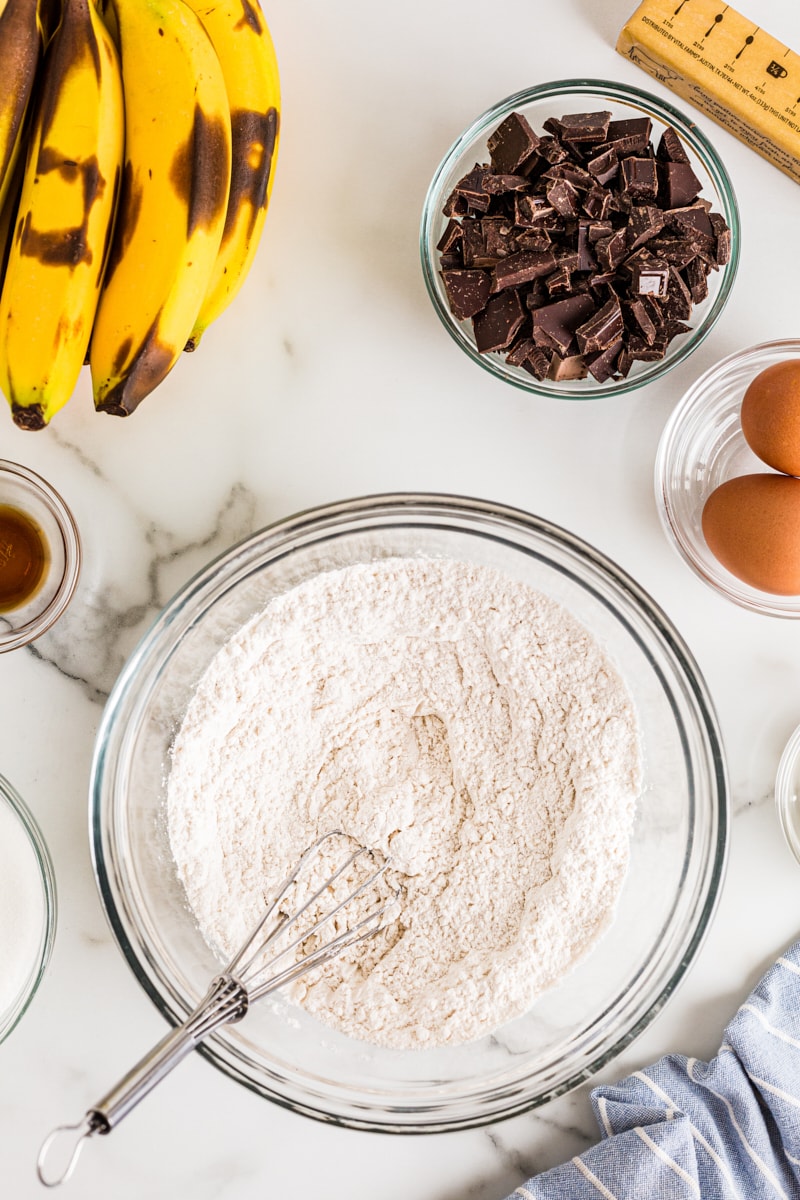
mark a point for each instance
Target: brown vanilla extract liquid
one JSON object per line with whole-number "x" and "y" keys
{"x": 23, "y": 557}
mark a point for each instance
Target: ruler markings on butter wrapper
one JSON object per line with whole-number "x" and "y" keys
{"x": 725, "y": 64}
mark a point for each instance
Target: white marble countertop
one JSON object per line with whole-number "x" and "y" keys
{"x": 332, "y": 377}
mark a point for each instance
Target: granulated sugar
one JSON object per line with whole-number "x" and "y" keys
{"x": 455, "y": 719}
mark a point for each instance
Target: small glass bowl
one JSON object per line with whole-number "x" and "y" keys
{"x": 22, "y": 489}
{"x": 787, "y": 793}
{"x": 31, "y": 962}
{"x": 678, "y": 847}
{"x": 702, "y": 445}
{"x": 555, "y": 100}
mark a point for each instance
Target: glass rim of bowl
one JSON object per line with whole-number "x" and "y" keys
{"x": 623, "y": 94}
{"x": 11, "y": 797}
{"x": 23, "y": 635}
{"x": 699, "y": 393}
{"x": 784, "y": 777}
{"x": 125, "y": 706}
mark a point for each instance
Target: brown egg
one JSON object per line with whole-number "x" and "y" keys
{"x": 771, "y": 416}
{"x": 752, "y": 525}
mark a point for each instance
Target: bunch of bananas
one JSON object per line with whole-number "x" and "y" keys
{"x": 137, "y": 153}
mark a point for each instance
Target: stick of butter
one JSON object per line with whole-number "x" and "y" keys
{"x": 725, "y": 65}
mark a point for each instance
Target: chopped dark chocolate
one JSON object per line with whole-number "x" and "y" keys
{"x": 581, "y": 251}
{"x": 467, "y": 291}
{"x": 612, "y": 250}
{"x": 522, "y": 267}
{"x": 631, "y": 136}
{"x": 646, "y": 221}
{"x": 573, "y": 366}
{"x": 470, "y": 189}
{"x": 512, "y": 144}
{"x": 564, "y": 198}
{"x": 498, "y": 185}
{"x": 640, "y": 179}
{"x": 583, "y": 127}
{"x": 499, "y": 321}
{"x": 597, "y": 202}
{"x": 451, "y": 235}
{"x": 678, "y": 183}
{"x": 603, "y": 364}
{"x": 696, "y": 279}
{"x": 604, "y": 167}
{"x": 602, "y": 329}
{"x": 670, "y": 147}
{"x": 722, "y": 235}
{"x": 649, "y": 277}
{"x": 555, "y": 324}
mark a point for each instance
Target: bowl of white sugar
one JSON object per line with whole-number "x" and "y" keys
{"x": 492, "y": 705}
{"x": 27, "y": 907}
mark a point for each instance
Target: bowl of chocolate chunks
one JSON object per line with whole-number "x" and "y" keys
{"x": 580, "y": 239}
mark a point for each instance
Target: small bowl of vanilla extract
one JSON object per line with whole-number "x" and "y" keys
{"x": 40, "y": 555}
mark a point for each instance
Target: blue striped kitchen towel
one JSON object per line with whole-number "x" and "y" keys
{"x": 724, "y": 1130}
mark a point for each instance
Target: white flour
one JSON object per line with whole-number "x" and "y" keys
{"x": 457, "y": 720}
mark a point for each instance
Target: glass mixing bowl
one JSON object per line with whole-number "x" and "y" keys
{"x": 32, "y": 907}
{"x": 557, "y": 99}
{"x": 678, "y": 848}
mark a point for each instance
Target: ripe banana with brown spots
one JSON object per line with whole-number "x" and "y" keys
{"x": 173, "y": 201}
{"x": 61, "y": 238}
{"x": 246, "y": 52}
{"x": 20, "y": 54}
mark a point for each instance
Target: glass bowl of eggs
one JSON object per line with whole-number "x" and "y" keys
{"x": 726, "y": 478}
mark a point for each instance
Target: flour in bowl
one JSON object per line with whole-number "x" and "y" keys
{"x": 454, "y": 718}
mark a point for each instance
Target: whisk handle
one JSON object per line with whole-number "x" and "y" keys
{"x": 224, "y": 1003}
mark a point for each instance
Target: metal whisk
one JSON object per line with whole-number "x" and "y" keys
{"x": 258, "y": 968}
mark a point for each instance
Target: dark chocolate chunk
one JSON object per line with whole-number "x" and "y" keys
{"x": 571, "y": 366}
{"x": 639, "y": 179}
{"x": 639, "y": 320}
{"x": 597, "y": 203}
{"x": 649, "y": 277}
{"x": 583, "y": 127}
{"x": 564, "y": 198}
{"x": 500, "y": 320}
{"x": 722, "y": 236}
{"x": 470, "y": 188}
{"x": 632, "y": 135}
{"x": 600, "y": 229}
{"x": 522, "y": 267}
{"x": 602, "y": 365}
{"x": 498, "y": 236}
{"x": 512, "y": 144}
{"x": 555, "y": 324}
{"x": 533, "y": 239}
{"x": 537, "y": 363}
{"x": 646, "y": 221}
{"x": 586, "y": 257}
{"x": 670, "y": 147}
{"x": 678, "y": 183}
{"x": 696, "y": 279}
{"x": 467, "y": 291}
{"x": 612, "y": 250}
{"x": 473, "y": 243}
{"x": 451, "y": 236}
{"x": 533, "y": 210}
{"x": 522, "y": 349}
{"x": 551, "y": 150}
{"x": 560, "y": 281}
{"x": 604, "y": 167}
{"x": 498, "y": 185}
{"x": 678, "y": 303}
{"x": 602, "y": 328}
